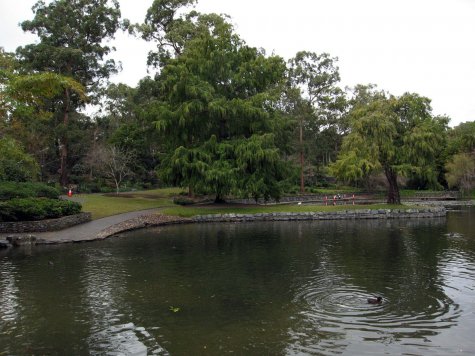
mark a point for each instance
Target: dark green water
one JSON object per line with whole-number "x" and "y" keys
{"x": 286, "y": 288}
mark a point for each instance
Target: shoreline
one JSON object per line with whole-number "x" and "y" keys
{"x": 157, "y": 219}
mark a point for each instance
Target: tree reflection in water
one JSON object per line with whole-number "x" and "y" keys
{"x": 254, "y": 288}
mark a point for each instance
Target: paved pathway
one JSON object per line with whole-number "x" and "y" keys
{"x": 89, "y": 230}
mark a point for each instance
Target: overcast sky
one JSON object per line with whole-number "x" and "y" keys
{"x": 422, "y": 46}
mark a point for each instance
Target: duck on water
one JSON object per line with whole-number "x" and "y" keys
{"x": 375, "y": 300}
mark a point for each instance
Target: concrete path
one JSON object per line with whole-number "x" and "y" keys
{"x": 87, "y": 231}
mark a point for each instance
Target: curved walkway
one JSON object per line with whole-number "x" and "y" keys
{"x": 108, "y": 226}
{"x": 88, "y": 231}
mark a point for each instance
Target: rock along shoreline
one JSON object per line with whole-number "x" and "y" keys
{"x": 156, "y": 219}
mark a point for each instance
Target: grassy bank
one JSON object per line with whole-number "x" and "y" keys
{"x": 187, "y": 211}
{"x": 102, "y": 205}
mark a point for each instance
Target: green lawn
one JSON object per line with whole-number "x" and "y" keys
{"x": 101, "y": 205}
{"x": 188, "y": 211}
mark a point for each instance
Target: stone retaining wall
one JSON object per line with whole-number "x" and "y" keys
{"x": 349, "y": 198}
{"x": 151, "y": 220}
{"x": 339, "y": 215}
{"x": 160, "y": 220}
{"x": 44, "y": 225}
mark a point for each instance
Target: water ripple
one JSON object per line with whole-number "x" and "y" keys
{"x": 332, "y": 310}
{"x": 104, "y": 286}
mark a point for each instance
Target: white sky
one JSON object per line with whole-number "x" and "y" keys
{"x": 422, "y": 46}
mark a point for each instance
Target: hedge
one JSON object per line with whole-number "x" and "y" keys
{"x": 28, "y": 209}
{"x": 12, "y": 190}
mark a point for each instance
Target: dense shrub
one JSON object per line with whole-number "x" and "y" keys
{"x": 12, "y": 190}
{"x": 26, "y": 209}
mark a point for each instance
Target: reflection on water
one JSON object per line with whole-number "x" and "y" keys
{"x": 104, "y": 286}
{"x": 258, "y": 288}
{"x": 8, "y": 302}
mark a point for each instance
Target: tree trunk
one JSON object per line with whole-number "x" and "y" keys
{"x": 91, "y": 167}
{"x": 302, "y": 182}
{"x": 190, "y": 192}
{"x": 393, "y": 188}
{"x": 63, "y": 179}
{"x": 219, "y": 199}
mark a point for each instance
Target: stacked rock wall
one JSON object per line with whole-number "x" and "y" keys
{"x": 339, "y": 215}
{"x": 44, "y": 225}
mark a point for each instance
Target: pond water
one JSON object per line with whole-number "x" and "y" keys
{"x": 273, "y": 288}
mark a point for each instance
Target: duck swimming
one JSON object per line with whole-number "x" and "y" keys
{"x": 376, "y": 300}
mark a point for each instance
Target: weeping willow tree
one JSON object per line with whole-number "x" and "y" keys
{"x": 217, "y": 109}
{"x": 396, "y": 135}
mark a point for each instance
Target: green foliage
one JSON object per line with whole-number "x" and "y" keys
{"x": 317, "y": 104}
{"x": 245, "y": 167}
{"x": 396, "y": 135}
{"x": 125, "y": 125}
{"x": 12, "y": 190}
{"x": 27, "y": 94}
{"x": 260, "y": 168}
{"x": 217, "y": 111}
{"x": 317, "y": 76}
{"x": 461, "y": 139}
{"x": 72, "y": 43}
{"x": 25, "y": 109}
{"x": 26, "y": 209}
{"x": 461, "y": 172}
{"x": 166, "y": 24}
{"x": 72, "y": 35}
{"x": 15, "y": 164}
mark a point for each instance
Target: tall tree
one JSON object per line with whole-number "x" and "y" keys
{"x": 25, "y": 114}
{"x": 126, "y": 126}
{"x": 320, "y": 105}
{"x": 217, "y": 109}
{"x": 72, "y": 35}
{"x": 395, "y": 135}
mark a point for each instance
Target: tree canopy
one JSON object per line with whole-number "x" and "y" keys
{"x": 317, "y": 106}
{"x": 396, "y": 135}
{"x": 217, "y": 116}
{"x": 217, "y": 107}
{"x": 72, "y": 37}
